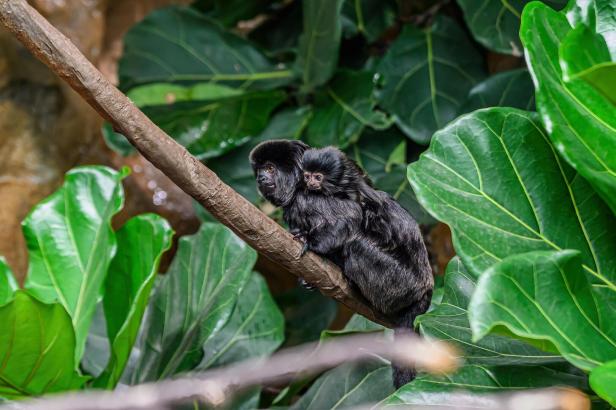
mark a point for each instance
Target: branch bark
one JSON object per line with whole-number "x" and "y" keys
{"x": 230, "y": 208}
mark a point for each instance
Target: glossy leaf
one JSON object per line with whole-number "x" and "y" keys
{"x": 603, "y": 380}
{"x": 256, "y": 328}
{"x": 8, "y": 285}
{"x": 448, "y": 320}
{"x": 436, "y": 391}
{"x": 507, "y": 89}
{"x": 580, "y": 120}
{"x": 593, "y": 65}
{"x": 599, "y": 15}
{"x": 37, "y": 347}
{"x": 343, "y": 109}
{"x": 496, "y": 180}
{"x": 427, "y": 76}
{"x": 546, "y": 296}
{"x": 193, "y": 301}
{"x": 180, "y": 44}
{"x": 71, "y": 243}
{"x": 141, "y": 243}
{"x": 234, "y": 168}
{"x": 97, "y": 352}
{"x": 169, "y": 93}
{"x": 369, "y": 18}
{"x": 348, "y": 385}
{"x": 319, "y": 43}
{"x": 496, "y": 24}
{"x": 213, "y": 127}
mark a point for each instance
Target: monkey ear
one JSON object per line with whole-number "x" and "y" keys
{"x": 300, "y": 144}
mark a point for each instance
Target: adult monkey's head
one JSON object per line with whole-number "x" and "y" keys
{"x": 277, "y": 165}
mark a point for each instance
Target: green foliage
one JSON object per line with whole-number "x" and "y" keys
{"x": 475, "y": 178}
{"x": 8, "y": 285}
{"x": 77, "y": 259}
{"x": 507, "y": 89}
{"x": 580, "y": 120}
{"x": 37, "y": 343}
{"x": 159, "y": 50}
{"x": 495, "y": 24}
{"x": 319, "y": 43}
{"x": 427, "y": 75}
{"x": 192, "y": 301}
{"x": 433, "y": 390}
{"x": 342, "y": 111}
{"x": 520, "y": 292}
{"x": 128, "y": 285}
{"x": 529, "y": 197}
{"x": 603, "y": 380}
{"x": 71, "y": 243}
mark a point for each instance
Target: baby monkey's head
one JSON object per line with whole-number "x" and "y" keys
{"x": 323, "y": 168}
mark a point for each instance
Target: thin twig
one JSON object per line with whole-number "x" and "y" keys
{"x": 226, "y": 205}
{"x": 216, "y": 387}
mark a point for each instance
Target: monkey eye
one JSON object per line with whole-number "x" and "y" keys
{"x": 306, "y": 176}
{"x": 318, "y": 177}
{"x": 269, "y": 168}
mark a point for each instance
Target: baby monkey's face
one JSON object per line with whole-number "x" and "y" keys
{"x": 313, "y": 180}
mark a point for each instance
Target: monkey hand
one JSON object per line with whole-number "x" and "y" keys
{"x": 301, "y": 238}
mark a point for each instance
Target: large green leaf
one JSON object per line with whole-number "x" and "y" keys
{"x": 181, "y": 44}
{"x": 507, "y": 89}
{"x": 37, "y": 348}
{"x": 429, "y": 390}
{"x": 495, "y": 24}
{"x": 343, "y": 109}
{"x": 580, "y": 120}
{"x": 603, "y": 380}
{"x": 319, "y": 43}
{"x": 494, "y": 177}
{"x": 594, "y": 65}
{"x": 448, "y": 320}
{"x": 141, "y": 243}
{"x": 8, "y": 285}
{"x": 234, "y": 168}
{"x": 599, "y": 15}
{"x": 427, "y": 75}
{"x": 348, "y": 385}
{"x": 545, "y": 296}
{"x": 369, "y": 18}
{"x": 256, "y": 328}
{"x": 193, "y": 301}
{"x": 71, "y": 243}
{"x": 210, "y": 128}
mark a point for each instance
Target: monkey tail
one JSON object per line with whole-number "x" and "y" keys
{"x": 403, "y": 374}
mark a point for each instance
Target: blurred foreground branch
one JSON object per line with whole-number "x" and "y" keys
{"x": 216, "y": 387}
{"x": 229, "y": 207}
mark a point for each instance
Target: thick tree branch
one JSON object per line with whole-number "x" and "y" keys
{"x": 230, "y": 208}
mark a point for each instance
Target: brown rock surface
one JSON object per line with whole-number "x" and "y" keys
{"x": 46, "y": 128}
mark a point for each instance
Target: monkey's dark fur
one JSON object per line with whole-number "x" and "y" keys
{"x": 376, "y": 243}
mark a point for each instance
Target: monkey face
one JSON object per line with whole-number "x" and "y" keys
{"x": 266, "y": 178}
{"x": 313, "y": 180}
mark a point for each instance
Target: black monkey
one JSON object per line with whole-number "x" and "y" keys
{"x": 331, "y": 204}
{"x": 318, "y": 224}
{"x": 386, "y": 258}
